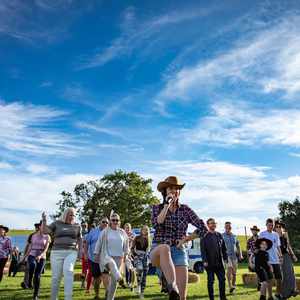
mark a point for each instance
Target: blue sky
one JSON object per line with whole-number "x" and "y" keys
{"x": 205, "y": 91}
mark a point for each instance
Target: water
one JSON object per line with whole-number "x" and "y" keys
{"x": 19, "y": 241}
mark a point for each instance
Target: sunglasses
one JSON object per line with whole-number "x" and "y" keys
{"x": 278, "y": 226}
{"x": 115, "y": 220}
{"x": 104, "y": 222}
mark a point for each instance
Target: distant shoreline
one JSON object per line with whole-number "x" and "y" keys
{"x": 14, "y": 232}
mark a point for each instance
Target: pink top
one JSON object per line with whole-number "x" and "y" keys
{"x": 38, "y": 244}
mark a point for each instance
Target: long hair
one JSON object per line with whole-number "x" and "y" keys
{"x": 64, "y": 216}
{"x": 148, "y": 238}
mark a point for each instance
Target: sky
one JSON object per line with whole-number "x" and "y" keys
{"x": 205, "y": 90}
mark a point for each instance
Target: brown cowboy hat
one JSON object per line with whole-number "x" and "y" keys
{"x": 6, "y": 229}
{"x": 260, "y": 240}
{"x": 168, "y": 182}
{"x": 255, "y": 228}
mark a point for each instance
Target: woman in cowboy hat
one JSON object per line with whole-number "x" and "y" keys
{"x": 170, "y": 221}
{"x": 5, "y": 248}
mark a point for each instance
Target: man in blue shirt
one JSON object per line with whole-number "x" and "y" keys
{"x": 234, "y": 254}
{"x": 89, "y": 246}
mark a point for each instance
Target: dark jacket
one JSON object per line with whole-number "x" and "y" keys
{"x": 213, "y": 250}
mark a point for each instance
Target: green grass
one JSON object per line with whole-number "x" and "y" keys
{"x": 10, "y": 289}
{"x": 14, "y": 232}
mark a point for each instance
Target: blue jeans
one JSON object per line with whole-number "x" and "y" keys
{"x": 220, "y": 272}
{"x": 35, "y": 271}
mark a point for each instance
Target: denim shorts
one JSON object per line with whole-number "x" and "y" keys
{"x": 179, "y": 255}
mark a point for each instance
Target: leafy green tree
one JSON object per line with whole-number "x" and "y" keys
{"x": 128, "y": 194}
{"x": 290, "y": 214}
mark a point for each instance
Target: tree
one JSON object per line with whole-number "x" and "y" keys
{"x": 128, "y": 194}
{"x": 66, "y": 201}
{"x": 290, "y": 214}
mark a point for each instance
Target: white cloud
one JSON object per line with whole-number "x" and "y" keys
{"x": 228, "y": 191}
{"x": 38, "y": 168}
{"x": 5, "y": 165}
{"x": 99, "y": 129}
{"x": 24, "y": 197}
{"x": 232, "y": 124}
{"x": 27, "y": 128}
{"x": 268, "y": 61}
{"x": 138, "y": 33}
{"x": 46, "y": 83}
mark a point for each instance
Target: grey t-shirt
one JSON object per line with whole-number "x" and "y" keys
{"x": 65, "y": 235}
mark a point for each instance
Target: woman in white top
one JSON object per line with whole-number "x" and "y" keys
{"x": 111, "y": 250}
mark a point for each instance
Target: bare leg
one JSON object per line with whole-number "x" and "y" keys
{"x": 228, "y": 273}
{"x": 270, "y": 286}
{"x": 182, "y": 280}
{"x": 263, "y": 288}
{"x": 97, "y": 281}
{"x": 278, "y": 286}
{"x": 234, "y": 270}
{"x": 161, "y": 257}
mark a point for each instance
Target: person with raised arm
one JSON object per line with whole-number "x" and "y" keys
{"x": 66, "y": 236}
{"x": 170, "y": 221}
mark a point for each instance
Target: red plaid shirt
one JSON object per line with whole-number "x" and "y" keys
{"x": 175, "y": 225}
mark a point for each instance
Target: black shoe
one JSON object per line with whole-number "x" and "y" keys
{"x": 232, "y": 290}
{"x": 270, "y": 298}
{"x": 262, "y": 297}
{"x": 173, "y": 295}
{"x": 278, "y": 297}
{"x": 24, "y": 286}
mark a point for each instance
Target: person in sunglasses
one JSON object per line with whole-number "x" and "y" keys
{"x": 111, "y": 251}
{"x": 91, "y": 239}
{"x": 170, "y": 221}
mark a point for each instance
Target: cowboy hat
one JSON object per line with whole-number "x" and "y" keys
{"x": 260, "y": 240}
{"x": 6, "y": 229}
{"x": 168, "y": 182}
{"x": 255, "y": 228}
{"x": 38, "y": 224}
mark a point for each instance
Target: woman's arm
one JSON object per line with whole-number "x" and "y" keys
{"x": 197, "y": 222}
{"x": 162, "y": 215}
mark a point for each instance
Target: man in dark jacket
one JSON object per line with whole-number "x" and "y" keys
{"x": 214, "y": 255}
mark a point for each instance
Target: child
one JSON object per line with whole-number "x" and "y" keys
{"x": 263, "y": 268}
{"x": 15, "y": 257}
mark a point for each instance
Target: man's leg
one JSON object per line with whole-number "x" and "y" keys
{"x": 229, "y": 276}
{"x": 210, "y": 283}
{"x": 234, "y": 271}
{"x": 270, "y": 287}
{"x": 221, "y": 278}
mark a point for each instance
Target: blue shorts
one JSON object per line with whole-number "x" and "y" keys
{"x": 179, "y": 256}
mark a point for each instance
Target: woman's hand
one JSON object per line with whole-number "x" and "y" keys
{"x": 295, "y": 259}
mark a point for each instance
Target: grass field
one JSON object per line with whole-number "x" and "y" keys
{"x": 10, "y": 289}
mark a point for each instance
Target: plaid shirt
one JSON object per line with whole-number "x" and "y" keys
{"x": 5, "y": 246}
{"x": 175, "y": 225}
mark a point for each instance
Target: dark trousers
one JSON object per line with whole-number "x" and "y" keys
{"x": 220, "y": 273}
{"x": 35, "y": 271}
{"x": 3, "y": 262}
{"x": 13, "y": 268}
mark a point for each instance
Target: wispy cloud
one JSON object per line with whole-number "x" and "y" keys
{"x": 267, "y": 61}
{"x": 46, "y": 84}
{"x": 138, "y": 33}
{"x": 99, "y": 129}
{"x": 231, "y": 124}
{"x": 226, "y": 190}
{"x": 129, "y": 148}
{"x": 5, "y": 165}
{"x": 27, "y": 128}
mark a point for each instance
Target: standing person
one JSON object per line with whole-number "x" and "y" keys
{"x": 84, "y": 262}
{"x": 275, "y": 256}
{"x": 139, "y": 250}
{"x": 66, "y": 240}
{"x": 36, "y": 261}
{"x": 214, "y": 254}
{"x": 15, "y": 256}
{"x": 5, "y": 248}
{"x": 170, "y": 221}
{"x": 263, "y": 268}
{"x": 251, "y": 250}
{"x": 129, "y": 273}
{"x": 234, "y": 254}
{"x": 288, "y": 257}
{"x": 25, "y": 282}
{"x": 111, "y": 250}
{"x": 89, "y": 247}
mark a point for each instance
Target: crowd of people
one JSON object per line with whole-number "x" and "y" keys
{"x": 112, "y": 255}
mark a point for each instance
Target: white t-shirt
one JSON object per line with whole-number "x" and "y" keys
{"x": 273, "y": 252}
{"x": 115, "y": 242}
